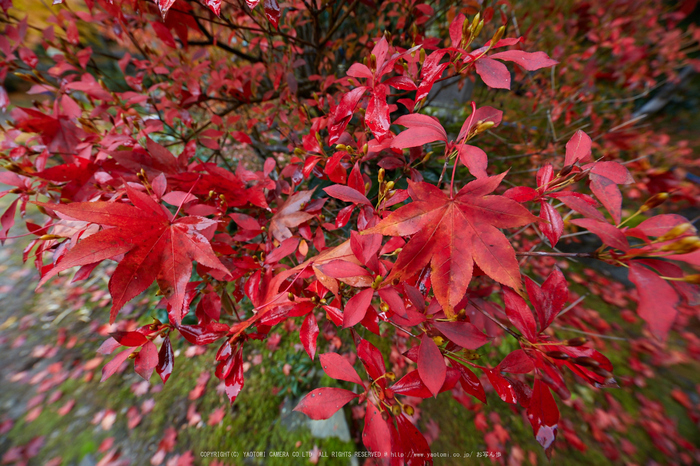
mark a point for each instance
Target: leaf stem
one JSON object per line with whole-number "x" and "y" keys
{"x": 555, "y": 254}
{"x": 30, "y": 233}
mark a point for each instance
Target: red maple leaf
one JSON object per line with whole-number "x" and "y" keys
{"x": 452, "y": 233}
{"x": 156, "y": 246}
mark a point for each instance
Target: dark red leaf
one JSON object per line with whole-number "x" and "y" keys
{"x": 372, "y": 359}
{"x": 517, "y": 362}
{"x": 395, "y": 302}
{"x": 470, "y": 383}
{"x": 581, "y": 203}
{"x": 234, "y": 382}
{"x": 308, "y": 333}
{"x": 521, "y": 194}
{"x": 544, "y": 415}
{"x": 550, "y": 299}
{"x": 451, "y": 234}
{"x": 431, "y": 72}
{"x": 431, "y": 365}
{"x": 223, "y": 369}
{"x": 377, "y": 115}
{"x": 7, "y": 220}
{"x": 343, "y": 113}
{"x": 415, "y": 447}
{"x": 553, "y": 225}
{"x": 129, "y": 338}
{"x": 356, "y": 307}
{"x": 520, "y": 315}
{"x": 412, "y": 385}
{"x": 503, "y": 386}
{"x": 166, "y": 360}
{"x": 377, "y": 434}
{"x": 464, "y": 334}
{"x": 272, "y": 12}
{"x": 200, "y": 334}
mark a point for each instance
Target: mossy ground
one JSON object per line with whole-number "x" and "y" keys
{"x": 253, "y": 422}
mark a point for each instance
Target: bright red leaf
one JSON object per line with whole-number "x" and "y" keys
{"x": 322, "y": 403}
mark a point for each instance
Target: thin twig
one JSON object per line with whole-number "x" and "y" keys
{"x": 555, "y": 254}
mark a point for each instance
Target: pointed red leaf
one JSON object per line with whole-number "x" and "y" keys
{"x": 102, "y": 245}
{"x": 578, "y": 149}
{"x": 470, "y": 383}
{"x": 285, "y": 248}
{"x": 343, "y": 113}
{"x": 372, "y": 359}
{"x": 531, "y": 61}
{"x": 412, "y": 385}
{"x": 272, "y": 12}
{"x": 430, "y": 72}
{"x": 452, "y": 234}
{"x": 235, "y": 381}
{"x": 431, "y": 365}
{"x": 343, "y": 269}
{"x": 503, "y": 386}
{"x": 146, "y": 360}
{"x": 494, "y": 73}
{"x": 659, "y": 225}
{"x": 132, "y": 339}
{"x": 520, "y": 315}
{"x": 657, "y": 300}
{"x": 337, "y": 367}
{"x": 377, "y": 434}
{"x": 422, "y": 130}
{"x": 550, "y": 299}
{"x": 356, "y": 307}
{"x": 308, "y": 333}
{"x": 166, "y": 360}
{"x": 377, "y": 114}
{"x": 464, "y": 334}
{"x": 517, "y": 362}
{"x": 614, "y": 171}
{"x": 553, "y": 225}
{"x": 482, "y": 115}
{"x": 413, "y": 442}
{"x": 322, "y": 403}
{"x": 608, "y": 194}
{"x": 543, "y": 414}
{"x": 347, "y": 194}
{"x": 610, "y": 235}
{"x": 111, "y": 367}
{"x": 474, "y": 159}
